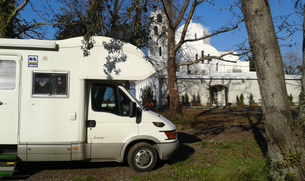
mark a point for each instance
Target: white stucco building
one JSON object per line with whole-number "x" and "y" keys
{"x": 218, "y": 82}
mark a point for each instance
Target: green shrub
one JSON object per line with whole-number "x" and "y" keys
{"x": 194, "y": 99}
{"x": 251, "y": 99}
{"x": 241, "y": 98}
{"x": 187, "y": 99}
{"x": 290, "y": 98}
{"x": 198, "y": 98}
{"x": 237, "y": 99}
{"x": 147, "y": 95}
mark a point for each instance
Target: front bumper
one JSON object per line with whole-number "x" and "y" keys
{"x": 166, "y": 150}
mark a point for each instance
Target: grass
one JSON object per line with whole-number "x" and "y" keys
{"x": 221, "y": 161}
{"x": 210, "y": 161}
{"x": 87, "y": 178}
{"x": 234, "y": 161}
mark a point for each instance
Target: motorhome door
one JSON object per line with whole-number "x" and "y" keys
{"x": 9, "y": 94}
{"x": 109, "y": 125}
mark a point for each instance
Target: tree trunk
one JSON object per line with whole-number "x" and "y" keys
{"x": 270, "y": 74}
{"x": 171, "y": 70}
{"x": 302, "y": 94}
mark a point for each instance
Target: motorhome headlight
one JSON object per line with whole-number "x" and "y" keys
{"x": 171, "y": 135}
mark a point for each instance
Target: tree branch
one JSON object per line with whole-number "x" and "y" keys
{"x": 188, "y": 21}
{"x": 223, "y": 30}
{"x": 181, "y": 14}
{"x": 214, "y": 57}
{"x": 17, "y": 10}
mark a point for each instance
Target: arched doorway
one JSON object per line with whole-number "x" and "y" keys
{"x": 218, "y": 95}
{"x": 214, "y": 96}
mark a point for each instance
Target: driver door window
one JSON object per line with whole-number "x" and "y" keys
{"x": 104, "y": 98}
{"x": 107, "y": 98}
{"x": 125, "y": 104}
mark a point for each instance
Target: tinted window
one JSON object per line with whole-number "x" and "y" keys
{"x": 50, "y": 84}
{"x": 59, "y": 84}
{"x": 107, "y": 98}
{"x": 42, "y": 83}
{"x": 103, "y": 98}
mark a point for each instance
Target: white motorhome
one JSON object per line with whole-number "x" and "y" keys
{"x": 58, "y": 105}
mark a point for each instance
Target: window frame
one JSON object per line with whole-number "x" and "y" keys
{"x": 51, "y": 95}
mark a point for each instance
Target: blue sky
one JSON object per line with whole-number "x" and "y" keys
{"x": 210, "y": 16}
{"x": 213, "y": 17}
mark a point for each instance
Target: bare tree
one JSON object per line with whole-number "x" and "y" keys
{"x": 12, "y": 26}
{"x": 300, "y": 7}
{"x": 8, "y": 20}
{"x": 291, "y": 62}
{"x": 126, "y": 20}
{"x": 286, "y": 157}
{"x": 175, "y": 14}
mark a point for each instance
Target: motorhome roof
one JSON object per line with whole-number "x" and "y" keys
{"x": 108, "y": 59}
{"x": 27, "y": 43}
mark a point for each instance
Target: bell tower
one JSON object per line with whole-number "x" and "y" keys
{"x": 157, "y": 50}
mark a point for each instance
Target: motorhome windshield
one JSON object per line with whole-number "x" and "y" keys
{"x": 135, "y": 99}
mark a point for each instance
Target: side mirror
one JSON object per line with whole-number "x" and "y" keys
{"x": 133, "y": 109}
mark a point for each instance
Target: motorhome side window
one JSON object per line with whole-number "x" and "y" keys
{"x": 50, "y": 84}
{"x": 106, "y": 98}
{"x": 7, "y": 75}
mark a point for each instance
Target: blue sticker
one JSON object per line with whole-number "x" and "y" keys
{"x": 33, "y": 61}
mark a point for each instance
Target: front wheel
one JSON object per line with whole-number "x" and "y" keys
{"x": 142, "y": 157}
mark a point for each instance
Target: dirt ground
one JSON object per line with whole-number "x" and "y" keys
{"x": 226, "y": 125}
{"x": 218, "y": 125}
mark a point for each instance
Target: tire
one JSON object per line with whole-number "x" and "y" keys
{"x": 142, "y": 157}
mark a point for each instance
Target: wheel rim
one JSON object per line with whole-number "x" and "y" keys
{"x": 143, "y": 158}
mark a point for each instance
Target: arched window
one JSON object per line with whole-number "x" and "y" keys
{"x": 196, "y": 56}
{"x": 217, "y": 67}
{"x": 159, "y": 18}
{"x": 156, "y": 30}
{"x": 202, "y": 55}
{"x": 160, "y": 51}
{"x": 195, "y": 36}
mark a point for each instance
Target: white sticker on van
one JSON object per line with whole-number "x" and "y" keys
{"x": 33, "y": 61}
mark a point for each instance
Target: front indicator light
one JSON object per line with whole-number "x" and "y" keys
{"x": 171, "y": 135}
{"x": 159, "y": 124}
